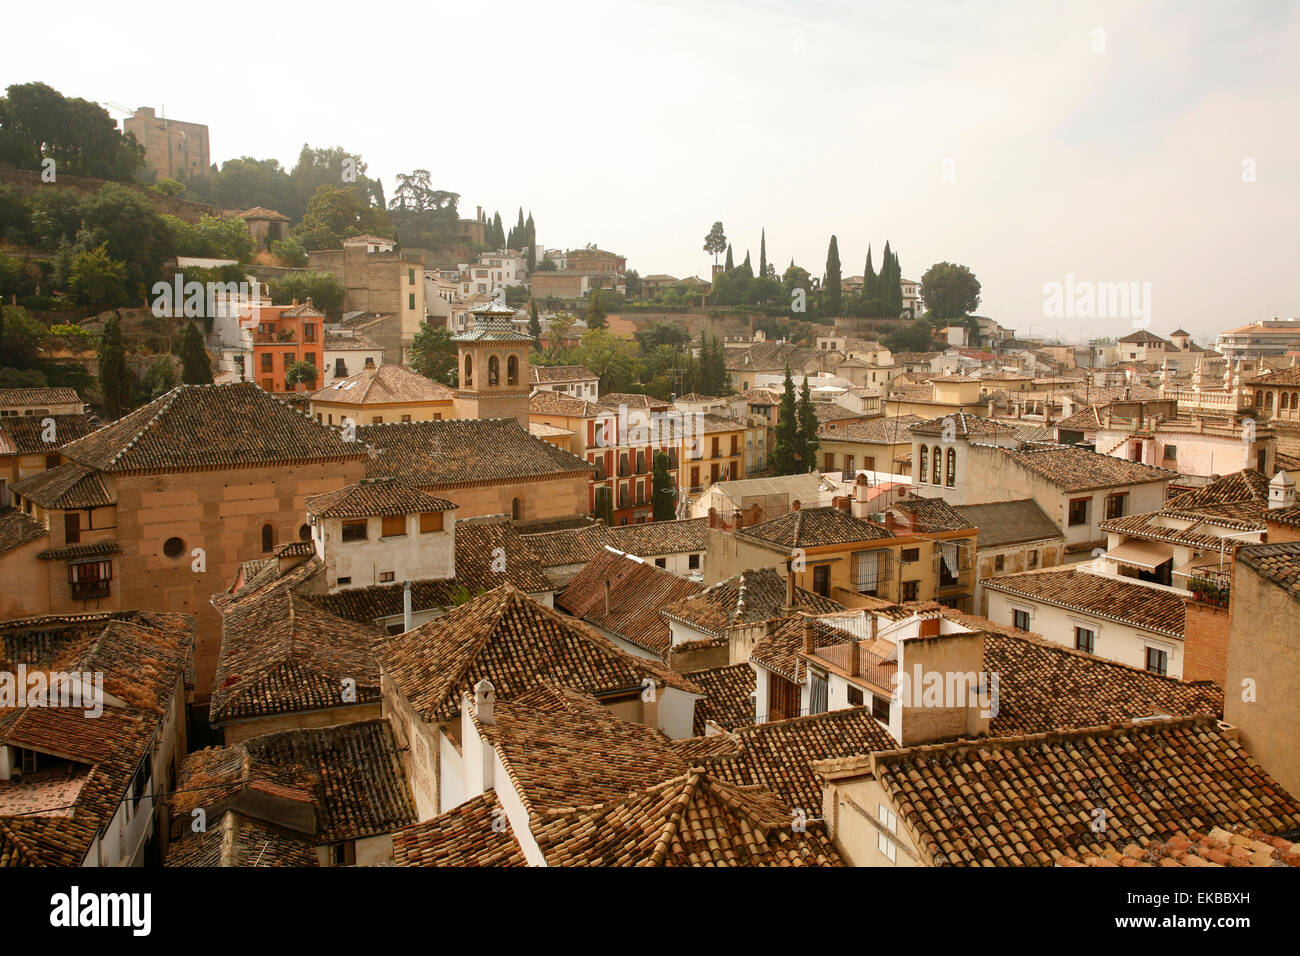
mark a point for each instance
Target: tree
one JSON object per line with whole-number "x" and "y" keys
{"x": 196, "y": 367}
{"x": 96, "y": 280}
{"x": 115, "y": 379}
{"x": 433, "y": 354}
{"x": 729, "y": 264}
{"x": 498, "y": 239}
{"x": 300, "y": 372}
{"x": 715, "y": 243}
{"x": 604, "y": 505}
{"x": 665, "y": 490}
{"x": 762, "y": 255}
{"x": 613, "y": 358}
{"x": 917, "y": 337}
{"x": 133, "y": 230}
{"x": 534, "y": 323}
{"x": 831, "y": 301}
{"x": 557, "y": 329}
{"x": 158, "y": 380}
{"x": 870, "y": 285}
{"x": 324, "y": 290}
{"x": 807, "y": 436}
{"x": 784, "y": 459}
{"x": 595, "y": 312}
{"x": 37, "y": 123}
{"x": 332, "y": 166}
{"x": 894, "y": 302}
{"x": 289, "y": 252}
{"x": 949, "y": 291}
{"x": 337, "y": 212}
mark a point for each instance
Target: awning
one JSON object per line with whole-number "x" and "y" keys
{"x": 1141, "y": 554}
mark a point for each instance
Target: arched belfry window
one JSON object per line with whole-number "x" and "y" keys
{"x": 512, "y": 370}
{"x": 516, "y": 509}
{"x": 268, "y": 538}
{"x": 469, "y": 372}
{"x": 494, "y": 370}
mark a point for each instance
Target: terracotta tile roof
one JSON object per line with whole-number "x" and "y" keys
{"x": 728, "y": 701}
{"x": 1076, "y": 469}
{"x": 514, "y": 642}
{"x": 236, "y": 840}
{"x": 1287, "y": 516}
{"x": 375, "y": 497}
{"x": 961, "y": 425}
{"x": 830, "y": 412}
{"x": 770, "y": 357}
{"x": 623, "y": 596}
{"x": 547, "y": 374}
{"x": 282, "y": 654}
{"x": 28, "y": 431}
{"x": 745, "y": 598}
{"x": 1009, "y": 522}
{"x": 546, "y": 402}
{"x": 781, "y": 650}
{"x": 779, "y": 755}
{"x": 384, "y": 385}
{"x": 144, "y": 658}
{"x": 1087, "y": 420}
{"x": 335, "y": 342}
{"x": 463, "y": 452}
{"x": 568, "y": 546}
{"x": 352, "y": 773}
{"x": 930, "y": 515}
{"x": 653, "y": 539}
{"x": 1235, "y": 846}
{"x": 1278, "y": 563}
{"x": 475, "y": 833}
{"x": 562, "y": 750}
{"x": 814, "y": 528}
{"x": 891, "y": 430}
{"x": 695, "y": 819}
{"x": 1111, "y": 598}
{"x": 1282, "y": 376}
{"x": 67, "y": 486}
{"x": 38, "y": 396}
{"x": 210, "y": 426}
{"x": 1148, "y": 526}
{"x": 1245, "y": 485}
{"x": 1045, "y": 686}
{"x": 17, "y": 529}
{"x": 1026, "y": 801}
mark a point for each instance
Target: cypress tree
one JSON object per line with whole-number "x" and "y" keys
{"x": 534, "y": 324}
{"x": 531, "y": 239}
{"x": 115, "y": 385}
{"x": 869, "y": 283}
{"x": 762, "y": 256}
{"x": 196, "y": 367}
{"x": 718, "y": 378}
{"x": 665, "y": 491}
{"x": 808, "y": 442}
{"x": 498, "y": 234}
{"x": 745, "y": 265}
{"x": 831, "y": 299}
{"x": 896, "y": 288}
{"x": 595, "y": 313}
{"x": 730, "y": 265}
{"x": 785, "y": 437}
{"x": 885, "y": 281}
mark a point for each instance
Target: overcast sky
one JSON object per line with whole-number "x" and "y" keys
{"x": 636, "y": 125}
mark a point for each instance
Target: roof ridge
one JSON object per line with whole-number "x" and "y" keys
{"x": 170, "y": 399}
{"x": 675, "y": 817}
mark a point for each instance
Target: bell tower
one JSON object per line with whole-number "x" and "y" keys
{"x": 493, "y": 366}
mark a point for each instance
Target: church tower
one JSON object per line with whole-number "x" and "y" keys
{"x": 493, "y": 357}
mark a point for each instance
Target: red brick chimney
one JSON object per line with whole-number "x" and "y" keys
{"x": 809, "y": 641}
{"x": 855, "y": 658}
{"x": 794, "y": 505}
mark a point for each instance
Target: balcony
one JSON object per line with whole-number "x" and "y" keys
{"x": 90, "y": 590}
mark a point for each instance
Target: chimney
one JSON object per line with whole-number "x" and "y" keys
{"x": 843, "y": 503}
{"x": 484, "y": 702}
{"x": 794, "y": 505}
{"x": 855, "y": 658}
{"x": 738, "y": 517}
{"x": 406, "y": 606}
{"x": 809, "y": 641}
{"x": 370, "y": 362}
{"x": 789, "y": 586}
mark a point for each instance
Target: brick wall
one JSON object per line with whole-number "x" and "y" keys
{"x": 1205, "y": 642}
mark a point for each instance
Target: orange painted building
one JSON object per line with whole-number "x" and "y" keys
{"x": 283, "y": 335}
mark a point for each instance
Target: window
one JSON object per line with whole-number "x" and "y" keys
{"x": 406, "y": 418}
{"x": 410, "y": 277}
{"x": 828, "y": 462}
{"x": 848, "y": 465}
{"x": 394, "y": 526}
{"x": 516, "y": 509}
{"x": 344, "y": 854}
{"x": 309, "y": 332}
{"x": 999, "y": 562}
{"x": 139, "y": 784}
{"x": 937, "y": 461}
{"x": 693, "y": 562}
{"x": 342, "y": 581}
{"x": 1085, "y": 640}
{"x": 819, "y": 696}
{"x": 512, "y": 371}
{"x": 376, "y": 419}
{"x": 951, "y": 477}
{"x": 494, "y": 371}
{"x": 1078, "y": 511}
{"x": 923, "y": 470}
{"x": 52, "y": 461}
{"x": 430, "y": 521}
{"x": 1033, "y": 558}
{"x": 304, "y": 532}
{"x": 268, "y": 538}
{"x": 1171, "y": 452}
{"x": 72, "y": 527}
{"x": 267, "y": 362}
{"x": 1116, "y": 505}
{"x": 1157, "y": 661}
{"x": 173, "y": 547}
{"x": 867, "y": 572}
{"x": 288, "y": 359}
{"x": 410, "y": 300}
{"x": 386, "y": 577}
{"x": 355, "y": 530}
{"x": 90, "y": 579}
{"x": 469, "y": 372}
{"x": 822, "y": 580}
{"x": 880, "y": 708}
{"x": 911, "y": 590}
{"x": 911, "y": 555}
{"x": 855, "y": 696}
{"x": 661, "y": 562}
{"x": 1020, "y": 620}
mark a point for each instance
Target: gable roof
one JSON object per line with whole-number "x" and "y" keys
{"x": 1025, "y": 801}
{"x": 546, "y": 374}
{"x": 961, "y": 425}
{"x": 637, "y": 591}
{"x": 375, "y": 497}
{"x": 1111, "y": 598}
{"x": 463, "y": 452}
{"x": 749, "y": 597}
{"x": 729, "y": 697}
{"x": 384, "y": 385}
{"x": 1278, "y": 563}
{"x": 463, "y": 836}
{"x": 28, "y": 431}
{"x": 814, "y": 528}
{"x": 38, "y": 396}
{"x": 891, "y": 430}
{"x": 1247, "y": 485}
{"x": 1071, "y": 468}
{"x": 210, "y": 426}
{"x": 68, "y": 486}
{"x": 513, "y": 641}
{"x": 930, "y": 515}
{"x": 17, "y": 529}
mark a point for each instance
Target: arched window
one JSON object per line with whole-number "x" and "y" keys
{"x": 937, "y": 456}
{"x": 924, "y": 468}
{"x": 512, "y": 370}
{"x": 1281, "y": 401}
{"x": 469, "y": 372}
{"x": 1268, "y": 400}
{"x": 1295, "y": 396}
{"x": 516, "y": 509}
{"x": 268, "y": 538}
{"x": 494, "y": 371}
{"x": 952, "y": 467}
